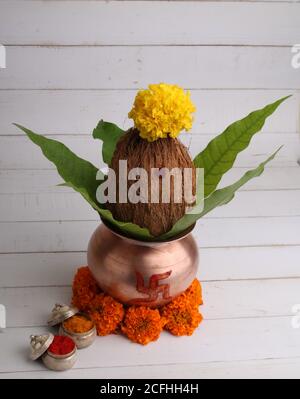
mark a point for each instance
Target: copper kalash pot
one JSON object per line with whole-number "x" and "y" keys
{"x": 142, "y": 273}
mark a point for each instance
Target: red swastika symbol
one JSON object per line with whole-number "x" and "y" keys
{"x": 154, "y": 289}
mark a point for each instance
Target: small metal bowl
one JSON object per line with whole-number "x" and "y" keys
{"x": 62, "y": 313}
{"x": 39, "y": 349}
{"x": 82, "y": 340}
{"x": 60, "y": 362}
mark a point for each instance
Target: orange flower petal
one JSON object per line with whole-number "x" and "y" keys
{"x": 142, "y": 325}
{"x": 181, "y": 319}
{"x": 106, "y": 313}
{"x": 85, "y": 288}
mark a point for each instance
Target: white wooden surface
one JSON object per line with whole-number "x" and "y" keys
{"x": 70, "y": 63}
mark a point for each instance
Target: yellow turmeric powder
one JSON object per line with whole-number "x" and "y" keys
{"x": 78, "y": 324}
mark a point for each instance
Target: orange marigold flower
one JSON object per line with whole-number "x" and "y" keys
{"x": 194, "y": 293}
{"x": 106, "y": 313}
{"x": 181, "y": 317}
{"x": 143, "y": 325}
{"x": 85, "y": 288}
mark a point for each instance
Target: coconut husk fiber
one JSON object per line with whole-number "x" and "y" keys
{"x": 163, "y": 153}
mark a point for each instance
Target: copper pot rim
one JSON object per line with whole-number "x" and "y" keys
{"x": 134, "y": 240}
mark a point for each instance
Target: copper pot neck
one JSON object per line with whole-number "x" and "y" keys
{"x": 147, "y": 243}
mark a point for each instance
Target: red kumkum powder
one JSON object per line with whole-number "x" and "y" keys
{"x": 61, "y": 345}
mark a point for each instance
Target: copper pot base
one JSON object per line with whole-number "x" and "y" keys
{"x": 142, "y": 273}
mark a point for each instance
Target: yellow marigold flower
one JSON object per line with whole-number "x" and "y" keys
{"x": 162, "y": 110}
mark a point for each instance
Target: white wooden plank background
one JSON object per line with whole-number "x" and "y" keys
{"x": 26, "y": 306}
{"x": 270, "y": 369}
{"x": 218, "y": 264}
{"x": 45, "y": 181}
{"x": 122, "y": 67}
{"x": 65, "y": 71}
{"x": 19, "y": 151}
{"x": 73, "y": 235}
{"x": 139, "y": 23}
{"x": 70, "y": 206}
{"x": 217, "y": 340}
{"x": 63, "y": 112}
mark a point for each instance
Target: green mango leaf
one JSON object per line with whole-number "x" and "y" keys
{"x": 127, "y": 229}
{"x": 75, "y": 171}
{"x": 130, "y": 230}
{"x": 80, "y": 175}
{"x": 110, "y": 134}
{"x": 218, "y": 198}
{"x": 220, "y": 154}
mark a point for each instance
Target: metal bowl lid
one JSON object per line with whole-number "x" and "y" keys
{"x": 39, "y": 345}
{"x": 60, "y": 313}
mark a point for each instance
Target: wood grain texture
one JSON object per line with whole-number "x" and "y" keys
{"x": 68, "y": 112}
{"x": 214, "y": 341}
{"x": 20, "y": 153}
{"x": 133, "y": 67}
{"x": 31, "y": 306}
{"x": 217, "y": 264}
{"x": 70, "y": 206}
{"x": 73, "y": 236}
{"x": 255, "y": 369}
{"x": 46, "y": 181}
{"x": 65, "y": 72}
{"x": 136, "y": 23}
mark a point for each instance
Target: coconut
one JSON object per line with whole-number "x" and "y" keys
{"x": 167, "y": 153}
